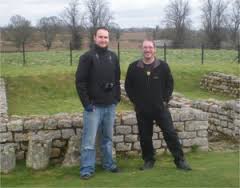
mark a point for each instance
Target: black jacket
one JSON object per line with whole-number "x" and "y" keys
{"x": 98, "y": 77}
{"x": 148, "y": 91}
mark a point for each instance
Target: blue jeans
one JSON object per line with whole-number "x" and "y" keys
{"x": 100, "y": 121}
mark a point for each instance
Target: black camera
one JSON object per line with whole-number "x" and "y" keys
{"x": 108, "y": 86}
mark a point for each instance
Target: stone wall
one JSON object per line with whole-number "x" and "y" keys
{"x": 61, "y": 130}
{"x": 221, "y": 83}
{"x": 224, "y": 117}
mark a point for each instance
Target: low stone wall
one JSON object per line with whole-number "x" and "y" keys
{"x": 223, "y": 117}
{"x": 63, "y": 130}
{"x": 221, "y": 83}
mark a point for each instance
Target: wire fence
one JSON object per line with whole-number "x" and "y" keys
{"x": 126, "y": 55}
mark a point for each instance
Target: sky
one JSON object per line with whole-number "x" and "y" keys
{"x": 126, "y": 13}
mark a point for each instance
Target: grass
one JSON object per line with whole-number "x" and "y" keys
{"x": 211, "y": 169}
{"x": 45, "y": 85}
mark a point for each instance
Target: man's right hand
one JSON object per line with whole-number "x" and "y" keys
{"x": 90, "y": 108}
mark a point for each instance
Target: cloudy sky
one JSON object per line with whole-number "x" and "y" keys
{"x": 127, "y": 13}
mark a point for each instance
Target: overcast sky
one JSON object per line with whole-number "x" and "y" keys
{"x": 127, "y": 13}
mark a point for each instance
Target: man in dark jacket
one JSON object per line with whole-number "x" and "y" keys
{"x": 98, "y": 86}
{"x": 149, "y": 86}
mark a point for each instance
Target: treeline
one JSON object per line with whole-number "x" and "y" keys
{"x": 220, "y": 21}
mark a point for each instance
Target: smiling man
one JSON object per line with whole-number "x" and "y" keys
{"x": 98, "y": 86}
{"x": 149, "y": 86}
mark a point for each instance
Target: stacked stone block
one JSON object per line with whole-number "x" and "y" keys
{"x": 221, "y": 83}
{"x": 224, "y": 117}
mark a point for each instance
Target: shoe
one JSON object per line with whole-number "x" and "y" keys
{"x": 114, "y": 170}
{"x": 182, "y": 165}
{"x": 147, "y": 165}
{"x": 86, "y": 176}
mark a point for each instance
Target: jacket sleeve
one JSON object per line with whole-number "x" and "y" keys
{"x": 81, "y": 80}
{"x": 117, "y": 81}
{"x": 129, "y": 85}
{"x": 169, "y": 84}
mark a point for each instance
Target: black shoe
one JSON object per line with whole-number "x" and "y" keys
{"x": 147, "y": 165}
{"x": 86, "y": 176}
{"x": 182, "y": 165}
{"x": 114, "y": 170}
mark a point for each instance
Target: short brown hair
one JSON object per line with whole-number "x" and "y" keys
{"x": 150, "y": 40}
{"x": 98, "y": 28}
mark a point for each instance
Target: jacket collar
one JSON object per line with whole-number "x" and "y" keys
{"x": 99, "y": 49}
{"x": 156, "y": 63}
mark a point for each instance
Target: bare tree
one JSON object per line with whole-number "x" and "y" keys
{"x": 71, "y": 17}
{"x": 234, "y": 22}
{"x": 48, "y": 26}
{"x": 115, "y": 31}
{"x": 19, "y": 30}
{"x": 214, "y": 19}
{"x": 177, "y": 18}
{"x": 98, "y": 14}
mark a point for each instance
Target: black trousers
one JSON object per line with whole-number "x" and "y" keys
{"x": 145, "y": 128}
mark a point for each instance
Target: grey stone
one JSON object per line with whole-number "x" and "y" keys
{"x": 196, "y": 125}
{"x": 15, "y": 125}
{"x": 19, "y": 137}
{"x": 49, "y": 134}
{"x": 129, "y": 119}
{"x": 118, "y": 138}
{"x": 183, "y": 135}
{"x": 33, "y": 124}
{"x": 4, "y": 137}
{"x": 77, "y": 122}
{"x": 50, "y": 124}
{"x": 123, "y": 146}
{"x": 64, "y": 123}
{"x": 123, "y": 130}
{"x": 38, "y": 155}
{"x": 67, "y": 133}
{"x": 8, "y": 158}
{"x": 72, "y": 156}
{"x": 131, "y": 138}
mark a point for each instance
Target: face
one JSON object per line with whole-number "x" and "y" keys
{"x": 102, "y": 38}
{"x": 148, "y": 50}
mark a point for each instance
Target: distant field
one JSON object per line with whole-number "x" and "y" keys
{"x": 45, "y": 85}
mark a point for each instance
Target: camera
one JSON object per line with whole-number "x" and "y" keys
{"x": 108, "y": 86}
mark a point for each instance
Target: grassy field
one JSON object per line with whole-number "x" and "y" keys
{"x": 211, "y": 169}
{"x": 45, "y": 85}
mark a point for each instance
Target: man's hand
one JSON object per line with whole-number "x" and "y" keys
{"x": 165, "y": 104}
{"x": 90, "y": 108}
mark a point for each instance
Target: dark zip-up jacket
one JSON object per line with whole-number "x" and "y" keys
{"x": 147, "y": 90}
{"x": 98, "y": 77}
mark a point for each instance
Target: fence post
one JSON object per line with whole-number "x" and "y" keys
{"x": 70, "y": 46}
{"x": 118, "y": 46}
{"x": 202, "y": 58}
{"x": 165, "y": 52}
{"x": 23, "y": 51}
{"x": 238, "y": 53}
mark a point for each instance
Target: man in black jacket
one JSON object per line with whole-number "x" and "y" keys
{"x": 149, "y": 86}
{"x": 98, "y": 86}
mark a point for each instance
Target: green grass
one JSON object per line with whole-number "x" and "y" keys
{"x": 45, "y": 85}
{"x": 211, "y": 169}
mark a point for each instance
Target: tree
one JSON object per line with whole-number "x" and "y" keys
{"x": 71, "y": 17}
{"x": 214, "y": 19}
{"x": 115, "y": 30}
{"x": 234, "y": 22}
{"x": 98, "y": 14}
{"x": 19, "y": 30}
{"x": 177, "y": 18}
{"x": 48, "y": 26}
